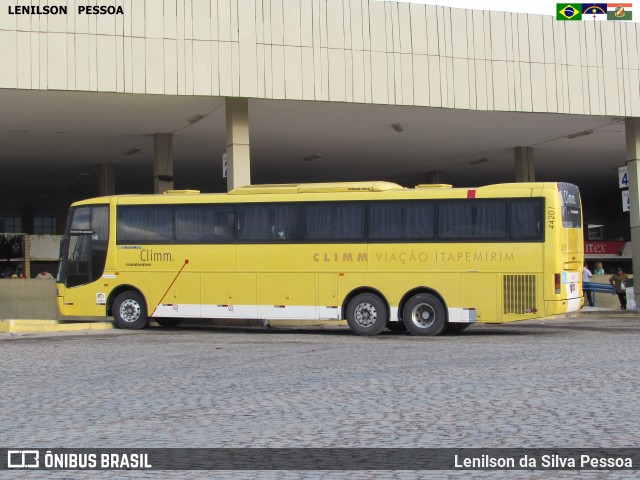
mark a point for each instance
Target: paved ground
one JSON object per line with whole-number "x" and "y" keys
{"x": 555, "y": 383}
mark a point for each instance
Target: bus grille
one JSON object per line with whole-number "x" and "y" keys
{"x": 519, "y": 294}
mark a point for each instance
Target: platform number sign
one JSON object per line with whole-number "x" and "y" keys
{"x": 623, "y": 182}
{"x": 225, "y": 166}
{"x": 626, "y": 203}
{"x": 623, "y": 177}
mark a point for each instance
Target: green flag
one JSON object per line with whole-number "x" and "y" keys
{"x": 568, "y": 11}
{"x": 619, "y": 11}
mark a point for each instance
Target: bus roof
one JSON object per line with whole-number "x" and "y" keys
{"x": 317, "y": 188}
{"x": 337, "y": 190}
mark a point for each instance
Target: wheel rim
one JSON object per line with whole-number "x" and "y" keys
{"x": 423, "y": 315}
{"x": 366, "y": 314}
{"x": 130, "y": 311}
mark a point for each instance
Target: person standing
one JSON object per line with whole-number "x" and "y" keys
{"x": 619, "y": 281}
{"x": 44, "y": 274}
{"x": 598, "y": 269}
{"x": 586, "y": 287}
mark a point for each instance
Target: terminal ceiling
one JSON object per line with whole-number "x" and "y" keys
{"x": 52, "y": 140}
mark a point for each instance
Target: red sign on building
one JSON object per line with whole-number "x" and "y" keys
{"x": 605, "y": 249}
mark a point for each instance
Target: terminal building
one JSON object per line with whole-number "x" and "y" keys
{"x": 153, "y": 95}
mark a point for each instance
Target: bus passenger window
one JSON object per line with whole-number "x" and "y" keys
{"x": 526, "y": 219}
{"x": 268, "y": 223}
{"x": 402, "y": 220}
{"x": 204, "y": 223}
{"x": 472, "y": 219}
{"x": 144, "y": 224}
{"x": 333, "y": 221}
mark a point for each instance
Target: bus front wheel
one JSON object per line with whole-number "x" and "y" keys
{"x": 424, "y": 314}
{"x": 130, "y": 311}
{"x": 367, "y": 314}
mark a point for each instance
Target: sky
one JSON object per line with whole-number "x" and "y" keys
{"x": 539, "y": 7}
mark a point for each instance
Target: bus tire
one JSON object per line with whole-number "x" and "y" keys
{"x": 367, "y": 314}
{"x": 168, "y": 322}
{"x": 424, "y": 314}
{"x": 130, "y": 311}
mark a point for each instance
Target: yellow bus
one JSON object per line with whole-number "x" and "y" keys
{"x": 428, "y": 259}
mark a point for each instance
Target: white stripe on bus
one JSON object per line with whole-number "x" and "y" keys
{"x": 282, "y": 312}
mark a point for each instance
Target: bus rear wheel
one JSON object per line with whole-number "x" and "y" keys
{"x": 424, "y": 314}
{"x": 130, "y": 311}
{"x": 367, "y": 314}
{"x": 168, "y": 322}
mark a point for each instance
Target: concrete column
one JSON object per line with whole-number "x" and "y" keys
{"x": 434, "y": 177}
{"x": 524, "y": 164}
{"x": 107, "y": 179}
{"x": 238, "y": 149}
{"x": 162, "y": 162}
{"x": 632, "y": 133}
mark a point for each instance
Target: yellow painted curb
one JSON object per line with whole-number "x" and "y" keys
{"x": 49, "y": 326}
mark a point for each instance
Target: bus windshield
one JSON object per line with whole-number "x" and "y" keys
{"x": 85, "y": 245}
{"x": 570, "y": 202}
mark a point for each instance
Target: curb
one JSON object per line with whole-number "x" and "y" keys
{"x": 49, "y": 326}
{"x": 609, "y": 311}
{"x": 53, "y": 326}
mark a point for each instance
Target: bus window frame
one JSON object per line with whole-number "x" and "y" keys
{"x": 436, "y": 238}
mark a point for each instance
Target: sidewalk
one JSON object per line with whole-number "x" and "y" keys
{"x": 588, "y": 309}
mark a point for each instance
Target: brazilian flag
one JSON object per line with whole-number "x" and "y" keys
{"x": 568, "y": 11}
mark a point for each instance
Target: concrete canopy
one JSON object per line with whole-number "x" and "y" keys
{"x": 53, "y": 140}
{"x": 326, "y": 81}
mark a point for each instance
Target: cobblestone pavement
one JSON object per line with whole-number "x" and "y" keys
{"x": 554, "y": 383}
